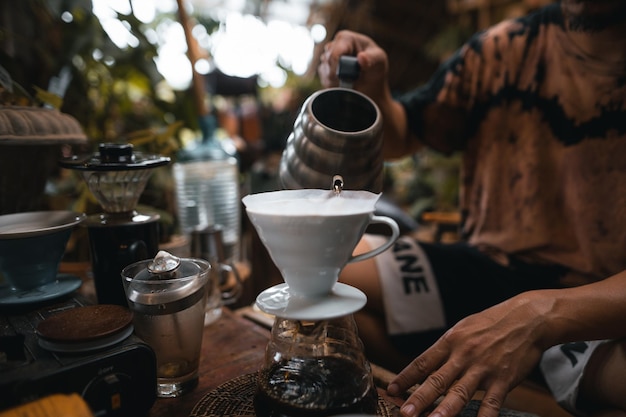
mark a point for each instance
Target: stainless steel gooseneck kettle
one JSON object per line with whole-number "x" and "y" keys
{"x": 337, "y": 131}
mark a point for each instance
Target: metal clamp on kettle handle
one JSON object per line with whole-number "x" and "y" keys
{"x": 347, "y": 71}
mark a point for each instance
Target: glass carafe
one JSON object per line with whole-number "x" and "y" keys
{"x": 315, "y": 368}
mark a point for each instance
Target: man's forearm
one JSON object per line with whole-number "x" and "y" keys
{"x": 398, "y": 141}
{"x": 589, "y": 312}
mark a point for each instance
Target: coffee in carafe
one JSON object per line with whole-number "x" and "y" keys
{"x": 315, "y": 369}
{"x": 277, "y": 386}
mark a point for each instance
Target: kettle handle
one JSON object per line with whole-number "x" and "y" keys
{"x": 348, "y": 70}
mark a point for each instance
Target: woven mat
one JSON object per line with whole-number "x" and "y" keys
{"x": 471, "y": 410}
{"x": 234, "y": 398}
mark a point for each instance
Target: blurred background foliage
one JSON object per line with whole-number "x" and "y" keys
{"x": 118, "y": 95}
{"x": 111, "y": 91}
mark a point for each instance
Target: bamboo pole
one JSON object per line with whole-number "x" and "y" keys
{"x": 193, "y": 53}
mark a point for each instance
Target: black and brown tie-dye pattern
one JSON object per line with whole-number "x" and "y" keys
{"x": 543, "y": 131}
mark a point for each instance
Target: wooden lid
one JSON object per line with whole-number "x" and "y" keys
{"x": 23, "y": 125}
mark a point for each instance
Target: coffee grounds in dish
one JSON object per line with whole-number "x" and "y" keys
{"x": 85, "y": 323}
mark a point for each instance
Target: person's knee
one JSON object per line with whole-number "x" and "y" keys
{"x": 377, "y": 345}
{"x": 364, "y": 276}
{"x": 603, "y": 386}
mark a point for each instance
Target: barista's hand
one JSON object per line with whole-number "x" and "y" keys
{"x": 372, "y": 59}
{"x": 492, "y": 351}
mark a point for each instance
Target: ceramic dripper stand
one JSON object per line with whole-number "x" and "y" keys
{"x": 314, "y": 362}
{"x": 120, "y": 235}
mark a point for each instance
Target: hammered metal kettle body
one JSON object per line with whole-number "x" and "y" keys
{"x": 337, "y": 131}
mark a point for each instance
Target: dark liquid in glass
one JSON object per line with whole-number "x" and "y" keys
{"x": 314, "y": 387}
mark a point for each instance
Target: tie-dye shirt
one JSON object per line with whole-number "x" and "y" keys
{"x": 542, "y": 128}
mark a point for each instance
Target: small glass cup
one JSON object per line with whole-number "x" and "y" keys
{"x": 168, "y": 314}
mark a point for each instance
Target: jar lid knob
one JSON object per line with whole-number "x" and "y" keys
{"x": 163, "y": 263}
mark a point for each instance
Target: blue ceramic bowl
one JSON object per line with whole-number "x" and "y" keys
{"x": 32, "y": 245}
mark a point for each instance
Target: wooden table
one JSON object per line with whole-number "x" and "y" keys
{"x": 235, "y": 346}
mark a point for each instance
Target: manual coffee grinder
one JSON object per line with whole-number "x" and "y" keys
{"x": 120, "y": 236}
{"x": 314, "y": 362}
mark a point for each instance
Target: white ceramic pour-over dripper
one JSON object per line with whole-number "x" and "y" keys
{"x": 310, "y": 235}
